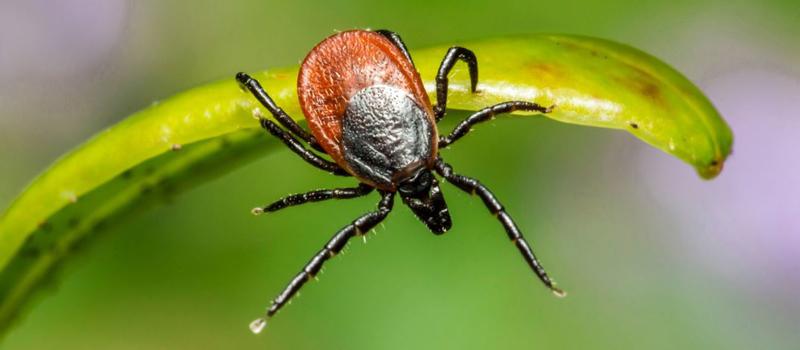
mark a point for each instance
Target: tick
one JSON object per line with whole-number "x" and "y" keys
{"x": 367, "y": 110}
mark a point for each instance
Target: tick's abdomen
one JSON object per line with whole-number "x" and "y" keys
{"x": 386, "y": 135}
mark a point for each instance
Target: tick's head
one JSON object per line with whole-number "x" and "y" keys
{"x": 422, "y": 194}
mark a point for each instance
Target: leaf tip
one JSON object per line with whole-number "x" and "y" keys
{"x": 711, "y": 170}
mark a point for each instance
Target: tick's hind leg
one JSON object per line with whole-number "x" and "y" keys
{"x": 453, "y": 55}
{"x": 315, "y": 196}
{"x": 284, "y": 119}
{"x": 488, "y": 113}
{"x": 473, "y": 186}
{"x": 359, "y": 226}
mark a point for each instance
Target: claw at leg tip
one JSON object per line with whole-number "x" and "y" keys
{"x": 558, "y": 292}
{"x": 258, "y": 325}
{"x": 257, "y": 211}
{"x": 257, "y": 115}
{"x": 241, "y": 79}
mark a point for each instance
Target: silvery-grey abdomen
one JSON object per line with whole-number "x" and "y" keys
{"x": 385, "y": 134}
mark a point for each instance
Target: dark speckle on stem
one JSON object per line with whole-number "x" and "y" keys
{"x": 73, "y": 222}
{"x": 146, "y": 189}
{"x": 44, "y": 226}
{"x": 99, "y": 225}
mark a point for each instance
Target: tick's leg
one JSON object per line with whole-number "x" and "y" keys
{"x": 315, "y": 196}
{"x": 360, "y": 226}
{"x": 473, "y": 186}
{"x": 450, "y": 58}
{"x": 488, "y": 113}
{"x": 261, "y": 95}
{"x": 297, "y": 147}
{"x": 397, "y": 41}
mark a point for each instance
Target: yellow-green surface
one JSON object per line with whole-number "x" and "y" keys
{"x": 590, "y": 81}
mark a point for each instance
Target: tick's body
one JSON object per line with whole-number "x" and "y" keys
{"x": 368, "y": 110}
{"x": 366, "y": 106}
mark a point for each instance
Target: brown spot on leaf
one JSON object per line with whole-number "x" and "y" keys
{"x": 547, "y": 71}
{"x": 645, "y": 85}
{"x": 598, "y": 54}
{"x": 282, "y": 76}
{"x": 650, "y": 90}
{"x": 583, "y": 49}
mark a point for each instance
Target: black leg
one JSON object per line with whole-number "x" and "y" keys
{"x": 450, "y": 58}
{"x": 315, "y": 196}
{"x": 298, "y": 148}
{"x": 397, "y": 41}
{"x": 473, "y": 186}
{"x": 488, "y": 113}
{"x": 284, "y": 119}
{"x": 359, "y": 226}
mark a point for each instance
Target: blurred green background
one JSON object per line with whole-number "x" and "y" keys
{"x": 652, "y": 256}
